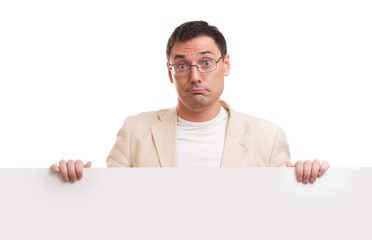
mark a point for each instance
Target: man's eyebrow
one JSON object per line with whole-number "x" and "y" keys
{"x": 206, "y": 52}
{"x": 178, "y": 56}
{"x": 181, "y": 56}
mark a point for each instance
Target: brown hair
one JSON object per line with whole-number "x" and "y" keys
{"x": 193, "y": 29}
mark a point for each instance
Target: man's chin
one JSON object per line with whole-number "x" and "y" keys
{"x": 198, "y": 101}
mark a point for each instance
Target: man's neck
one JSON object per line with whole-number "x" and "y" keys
{"x": 199, "y": 115}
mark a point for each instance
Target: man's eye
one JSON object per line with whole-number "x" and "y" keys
{"x": 181, "y": 66}
{"x": 206, "y": 63}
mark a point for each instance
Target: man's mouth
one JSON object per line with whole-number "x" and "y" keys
{"x": 197, "y": 91}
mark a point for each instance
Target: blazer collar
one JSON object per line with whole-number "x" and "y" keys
{"x": 164, "y": 133}
{"x": 236, "y": 140}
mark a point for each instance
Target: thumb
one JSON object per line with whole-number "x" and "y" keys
{"x": 289, "y": 164}
{"x": 88, "y": 165}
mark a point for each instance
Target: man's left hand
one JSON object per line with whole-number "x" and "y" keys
{"x": 308, "y": 171}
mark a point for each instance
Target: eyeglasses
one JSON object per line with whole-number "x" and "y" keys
{"x": 204, "y": 66}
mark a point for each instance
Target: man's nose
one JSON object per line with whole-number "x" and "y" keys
{"x": 195, "y": 75}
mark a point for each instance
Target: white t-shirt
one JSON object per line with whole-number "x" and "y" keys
{"x": 200, "y": 144}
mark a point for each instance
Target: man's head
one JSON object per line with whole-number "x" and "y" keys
{"x": 191, "y": 49}
{"x": 190, "y": 30}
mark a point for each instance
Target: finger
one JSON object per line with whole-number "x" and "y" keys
{"x": 289, "y": 164}
{"x": 55, "y": 168}
{"x": 323, "y": 168}
{"x": 88, "y": 165}
{"x": 307, "y": 171}
{"x": 79, "y": 166}
{"x": 71, "y": 170}
{"x": 314, "y": 170}
{"x": 63, "y": 169}
{"x": 299, "y": 170}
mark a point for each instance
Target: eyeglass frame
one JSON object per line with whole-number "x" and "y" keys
{"x": 194, "y": 65}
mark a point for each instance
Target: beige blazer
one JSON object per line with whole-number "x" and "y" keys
{"x": 150, "y": 140}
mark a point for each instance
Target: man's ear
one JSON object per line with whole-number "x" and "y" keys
{"x": 226, "y": 64}
{"x": 170, "y": 74}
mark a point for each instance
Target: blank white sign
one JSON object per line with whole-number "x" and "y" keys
{"x": 244, "y": 203}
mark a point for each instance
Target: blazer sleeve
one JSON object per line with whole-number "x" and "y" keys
{"x": 280, "y": 152}
{"x": 120, "y": 153}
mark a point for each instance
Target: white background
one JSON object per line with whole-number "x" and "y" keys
{"x": 72, "y": 71}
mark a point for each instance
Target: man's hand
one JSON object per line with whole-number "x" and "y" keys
{"x": 70, "y": 171}
{"x": 308, "y": 171}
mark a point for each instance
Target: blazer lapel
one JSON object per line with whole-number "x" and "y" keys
{"x": 236, "y": 140}
{"x": 165, "y": 137}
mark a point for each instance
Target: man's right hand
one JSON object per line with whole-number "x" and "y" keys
{"x": 70, "y": 171}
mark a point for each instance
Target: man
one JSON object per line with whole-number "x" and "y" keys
{"x": 202, "y": 131}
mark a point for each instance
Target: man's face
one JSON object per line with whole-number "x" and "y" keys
{"x": 197, "y": 91}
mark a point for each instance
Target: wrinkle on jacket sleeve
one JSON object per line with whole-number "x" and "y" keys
{"x": 119, "y": 154}
{"x": 280, "y": 153}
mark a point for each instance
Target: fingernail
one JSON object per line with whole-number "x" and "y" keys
{"x": 66, "y": 179}
{"x": 299, "y": 179}
{"x": 73, "y": 179}
{"x": 312, "y": 180}
{"x": 78, "y": 176}
{"x": 305, "y": 180}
